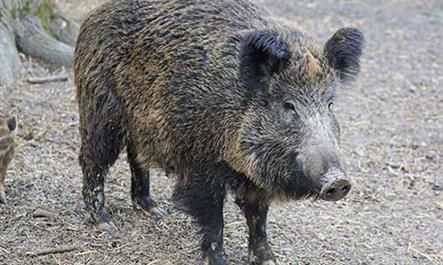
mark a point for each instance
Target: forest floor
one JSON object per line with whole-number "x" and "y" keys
{"x": 392, "y": 131}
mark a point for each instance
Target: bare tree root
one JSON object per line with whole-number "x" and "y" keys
{"x": 36, "y": 28}
{"x": 35, "y": 42}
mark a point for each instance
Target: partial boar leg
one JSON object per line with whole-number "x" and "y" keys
{"x": 202, "y": 196}
{"x": 212, "y": 242}
{"x": 255, "y": 208}
{"x": 94, "y": 197}
{"x": 140, "y": 185}
{"x": 101, "y": 142}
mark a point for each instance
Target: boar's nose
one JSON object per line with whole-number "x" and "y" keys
{"x": 335, "y": 185}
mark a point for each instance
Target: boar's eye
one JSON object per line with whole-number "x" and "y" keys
{"x": 289, "y": 106}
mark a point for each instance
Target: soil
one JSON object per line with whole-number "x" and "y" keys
{"x": 392, "y": 138}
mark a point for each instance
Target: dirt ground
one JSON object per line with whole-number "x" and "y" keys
{"x": 392, "y": 130}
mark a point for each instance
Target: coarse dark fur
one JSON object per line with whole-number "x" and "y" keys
{"x": 215, "y": 92}
{"x": 7, "y": 146}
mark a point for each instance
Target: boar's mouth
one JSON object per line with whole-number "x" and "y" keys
{"x": 280, "y": 173}
{"x": 301, "y": 187}
{"x": 285, "y": 179}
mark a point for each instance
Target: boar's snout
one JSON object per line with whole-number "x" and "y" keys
{"x": 335, "y": 185}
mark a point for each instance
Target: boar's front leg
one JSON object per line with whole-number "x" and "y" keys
{"x": 202, "y": 197}
{"x": 208, "y": 210}
{"x": 255, "y": 207}
{"x": 212, "y": 241}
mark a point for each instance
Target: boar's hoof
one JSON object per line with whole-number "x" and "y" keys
{"x": 148, "y": 205}
{"x": 266, "y": 262}
{"x": 108, "y": 228}
{"x": 261, "y": 254}
{"x": 217, "y": 258}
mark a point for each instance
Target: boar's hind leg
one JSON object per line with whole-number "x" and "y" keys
{"x": 140, "y": 185}
{"x": 102, "y": 138}
{"x": 255, "y": 209}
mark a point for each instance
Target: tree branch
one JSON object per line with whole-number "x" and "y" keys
{"x": 47, "y": 251}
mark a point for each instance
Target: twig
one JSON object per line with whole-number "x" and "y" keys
{"x": 46, "y": 251}
{"x": 43, "y": 213}
{"x": 411, "y": 248}
{"x": 47, "y": 79}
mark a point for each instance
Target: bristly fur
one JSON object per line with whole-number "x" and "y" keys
{"x": 214, "y": 92}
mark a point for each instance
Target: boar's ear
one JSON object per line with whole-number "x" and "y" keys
{"x": 343, "y": 52}
{"x": 12, "y": 124}
{"x": 262, "y": 54}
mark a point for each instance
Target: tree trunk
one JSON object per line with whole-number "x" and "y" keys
{"x": 36, "y": 28}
